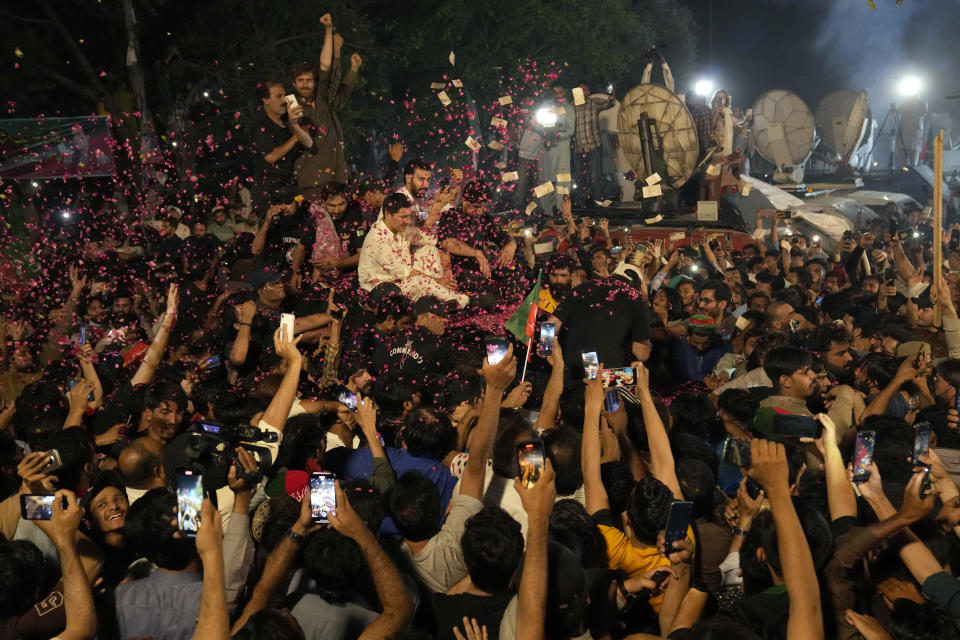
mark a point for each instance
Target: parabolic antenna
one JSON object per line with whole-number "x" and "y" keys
{"x": 671, "y": 132}
{"x": 843, "y": 121}
{"x": 783, "y": 133}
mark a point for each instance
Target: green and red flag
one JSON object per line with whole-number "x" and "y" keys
{"x": 524, "y": 319}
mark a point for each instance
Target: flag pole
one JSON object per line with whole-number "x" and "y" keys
{"x": 526, "y": 360}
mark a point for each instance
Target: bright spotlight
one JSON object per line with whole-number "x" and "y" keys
{"x": 66, "y": 215}
{"x": 703, "y": 87}
{"x": 816, "y": 238}
{"x": 546, "y": 117}
{"x": 909, "y": 86}
{"x": 916, "y": 234}
{"x": 206, "y": 94}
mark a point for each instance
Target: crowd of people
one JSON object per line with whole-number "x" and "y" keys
{"x": 186, "y": 386}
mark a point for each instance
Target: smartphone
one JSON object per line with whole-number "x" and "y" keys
{"x": 925, "y": 483}
{"x": 863, "y": 455}
{"x": 753, "y": 488}
{"x": 794, "y": 426}
{"x": 36, "y": 507}
{"x": 54, "y": 461}
{"x": 659, "y": 577}
{"x": 82, "y": 338}
{"x": 611, "y": 402}
{"x": 678, "y": 520}
{"x": 736, "y": 452}
{"x": 921, "y": 443}
{"x": 616, "y": 250}
{"x": 893, "y": 227}
{"x": 291, "y": 101}
{"x": 348, "y": 399}
{"x": 530, "y": 457}
{"x": 591, "y": 364}
{"x": 794, "y": 326}
{"x": 548, "y": 332}
{"x": 620, "y": 377}
{"x": 956, "y": 401}
{"x": 954, "y": 240}
{"x": 286, "y": 323}
{"x": 212, "y": 362}
{"x": 210, "y": 428}
{"x": 496, "y": 348}
{"x": 72, "y": 383}
{"x": 610, "y": 88}
{"x": 323, "y": 496}
{"x": 784, "y": 214}
{"x": 189, "y": 485}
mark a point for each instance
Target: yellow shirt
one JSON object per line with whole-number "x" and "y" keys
{"x": 633, "y": 560}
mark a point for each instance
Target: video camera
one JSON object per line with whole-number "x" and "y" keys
{"x": 212, "y": 448}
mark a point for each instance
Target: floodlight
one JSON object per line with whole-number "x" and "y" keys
{"x": 703, "y": 87}
{"x": 909, "y": 86}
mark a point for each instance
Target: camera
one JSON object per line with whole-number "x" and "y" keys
{"x": 211, "y": 449}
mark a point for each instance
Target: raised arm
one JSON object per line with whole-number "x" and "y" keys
{"x": 532, "y": 594}
{"x": 391, "y": 590}
{"x": 840, "y": 495}
{"x": 278, "y": 563}
{"x": 77, "y": 597}
{"x": 547, "y": 418}
{"x": 260, "y": 240}
{"x": 154, "y": 355}
{"x": 661, "y": 456}
{"x": 498, "y": 377}
{"x": 770, "y": 470}
{"x": 213, "y": 621}
{"x": 326, "y": 53}
{"x": 279, "y": 409}
{"x": 595, "y": 495}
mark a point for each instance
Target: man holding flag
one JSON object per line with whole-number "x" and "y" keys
{"x": 523, "y": 322}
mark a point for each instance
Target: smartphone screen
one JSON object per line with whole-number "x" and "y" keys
{"x": 82, "y": 339}
{"x": 36, "y": 507}
{"x": 863, "y": 455}
{"x": 189, "y": 500}
{"x": 736, "y": 452}
{"x": 496, "y": 349}
{"x": 611, "y": 402}
{"x": 212, "y": 362}
{"x": 530, "y": 457}
{"x": 210, "y": 428}
{"x": 323, "y": 497}
{"x": 677, "y": 522}
{"x": 548, "y": 332}
{"x": 753, "y": 488}
{"x": 591, "y": 364}
{"x": 348, "y": 399}
{"x": 621, "y": 377}
{"x": 921, "y": 443}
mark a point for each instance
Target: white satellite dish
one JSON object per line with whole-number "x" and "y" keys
{"x": 783, "y": 133}
{"x": 674, "y": 138}
{"x": 843, "y": 121}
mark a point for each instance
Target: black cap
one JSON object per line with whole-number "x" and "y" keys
{"x": 382, "y": 291}
{"x": 104, "y": 479}
{"x": 430, "y": 304}
{"x": 284, "y": 195}
{"x": 264, "y": 276}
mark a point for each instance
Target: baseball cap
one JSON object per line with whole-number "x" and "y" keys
{"x": 264, "y": 276}
{"x": 701, "y": 321}
{"x": 430, "y": 304}
{"x": 104, "y": 479}
{"x": 382, "y": 291}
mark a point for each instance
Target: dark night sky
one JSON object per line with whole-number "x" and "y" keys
{"x": 813, "y": 47}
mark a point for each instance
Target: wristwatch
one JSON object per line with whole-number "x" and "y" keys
{"x": 737, "y": 531}
{"x": 296, "y": 537}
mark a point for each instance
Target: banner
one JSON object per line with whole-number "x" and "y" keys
{"x": 36, "y": 148}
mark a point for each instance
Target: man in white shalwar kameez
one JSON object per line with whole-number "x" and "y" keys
{"x": 386, "y": 256}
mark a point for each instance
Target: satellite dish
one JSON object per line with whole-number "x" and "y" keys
{"x": 672, "y": 133}
{"x": 783, "y": 133}
{"x": 843, "y": 121}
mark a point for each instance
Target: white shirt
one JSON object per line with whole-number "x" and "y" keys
{"x": 386, "y": 256}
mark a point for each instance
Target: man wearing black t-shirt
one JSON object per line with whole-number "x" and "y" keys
{"x": 418, "y": 352}
{"x": 285, "y": 235}
{"x": 608, "y": 316}
{"x": 275, "y": 146}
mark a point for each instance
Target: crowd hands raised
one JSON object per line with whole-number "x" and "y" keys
{"x": 777, "y": 460}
